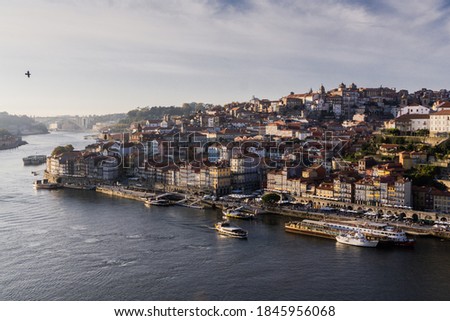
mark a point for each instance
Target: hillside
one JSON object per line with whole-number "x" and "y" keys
{"x": 21, "y": 125}
{"x": 158, "y": 112}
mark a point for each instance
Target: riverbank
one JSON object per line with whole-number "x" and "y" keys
{"x": 11, "y": 144}
{"x": 141, "y": 196}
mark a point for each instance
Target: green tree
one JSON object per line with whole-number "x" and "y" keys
{"x": 62, "y": 149}
{"x": 271, "y": 198}
{"x": 422, "y": 132}
{"x": 392, "y": 131}
{"x": 425, "y": 176}
{"x": 440, "y": 150}
{"x": 157, "y": 112}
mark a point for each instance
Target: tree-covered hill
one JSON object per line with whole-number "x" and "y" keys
{"x": 21, "y": 125}
{"x": 158, "y": 112}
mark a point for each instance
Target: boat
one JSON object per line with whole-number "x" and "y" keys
{"x": 157, "y": 202}
{"x": 418, "y": 232}
{"x": 386, "y": 235}
{"x": 184, "y": 203}
{"x": 34, "y": 160}
{"x": 45, "y": 184}
{"x": 237, "y": 213}
{"x": 79, "y": 187}
{"x": 225, "y": 228}
{"x": 199, "y": 207}
{"x": 356, "y": 239}
{"x": 310, "y": 227}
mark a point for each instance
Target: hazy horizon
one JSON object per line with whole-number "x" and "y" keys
{"x": 105, "y": 56}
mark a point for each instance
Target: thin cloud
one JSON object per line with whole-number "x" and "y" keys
{"x": 135, "y": 53}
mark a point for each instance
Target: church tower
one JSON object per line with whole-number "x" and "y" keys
{"x": 404, "y": 100}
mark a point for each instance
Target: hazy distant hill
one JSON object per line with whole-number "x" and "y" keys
{"x": 22, "y": 125}
{"x": 77, "y": 123}
{"x": 158, "y": 112}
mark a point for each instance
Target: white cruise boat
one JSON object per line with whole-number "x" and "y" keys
{"x": 386, "y": 235}
{"x": 356, "y": 239}
{"x": 225, "y": 228}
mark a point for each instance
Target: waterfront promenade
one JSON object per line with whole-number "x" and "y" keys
{"x": 289, "y": 211}
{"x": 404, "y": 212}
{"x": 124, "y": 193}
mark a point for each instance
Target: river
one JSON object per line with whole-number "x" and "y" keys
{"x": 83, "y": 245}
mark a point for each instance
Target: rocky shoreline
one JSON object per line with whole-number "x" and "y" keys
{"x": 4, "y": 145}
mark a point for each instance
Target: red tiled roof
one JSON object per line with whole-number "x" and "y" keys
{"x": 441, "y": 113}
{"x": 445, "y": 104}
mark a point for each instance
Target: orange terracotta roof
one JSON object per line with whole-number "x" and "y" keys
{"x": 441, "y": 113}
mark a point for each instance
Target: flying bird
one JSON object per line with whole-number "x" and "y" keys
{"x": 28, "y": 74}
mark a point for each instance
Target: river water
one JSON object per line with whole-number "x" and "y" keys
{"x": 82, "y": 245}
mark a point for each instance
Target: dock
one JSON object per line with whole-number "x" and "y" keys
{"x": 124, "y": 193}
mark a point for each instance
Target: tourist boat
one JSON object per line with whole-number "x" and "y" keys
{"x": 185, "y": 203}
{"x": 356, "y": 239}
{"x": 386, "y": 235}
{"x": 199, "y": 207}
{"x": 34, "y": 159}
{"x": 44, "y": 184}
{"x": 417, "y": 232}
{"x": 157, "y": 202}
{"x": 237, "y": 213}
{"x": 225, "y": 228}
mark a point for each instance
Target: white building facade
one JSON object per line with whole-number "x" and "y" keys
{"x": 440, "y": 122}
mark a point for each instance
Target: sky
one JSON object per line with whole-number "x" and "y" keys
{"x": 110, "y": 56}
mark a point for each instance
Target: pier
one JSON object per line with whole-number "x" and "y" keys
{"x": 124, "y": 193}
